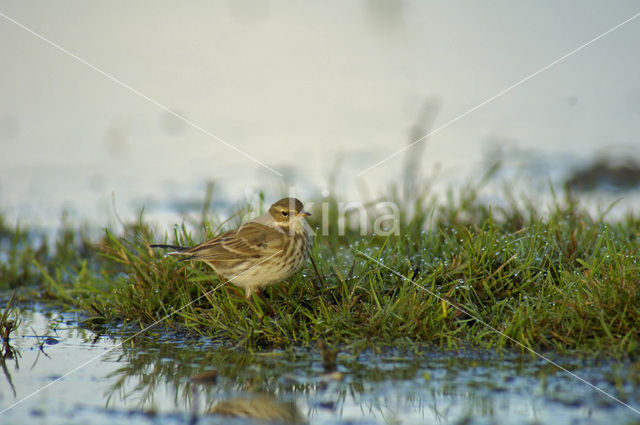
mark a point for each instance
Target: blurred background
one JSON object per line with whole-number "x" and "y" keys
{"x": 313, "y": 90}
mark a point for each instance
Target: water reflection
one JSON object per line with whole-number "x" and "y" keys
{"x": 9, "y": 354}
{"x": 165, "y": 376}
{"x": 264, "y": 407}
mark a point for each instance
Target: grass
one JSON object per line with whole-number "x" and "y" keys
{"x": 8, "y": 323}
{"x": 560, "y": 281}
{"x": 21, "y": 249}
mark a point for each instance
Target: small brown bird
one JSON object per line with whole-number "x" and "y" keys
{"x": 265, "y": 250}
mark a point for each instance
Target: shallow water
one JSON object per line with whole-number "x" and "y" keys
{"x": 316, "y": 91}
{"x": 60, "y": 373}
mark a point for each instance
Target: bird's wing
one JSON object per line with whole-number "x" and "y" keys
{"x": 253, "y": 240}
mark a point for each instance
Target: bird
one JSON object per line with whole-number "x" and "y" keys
{"x": 265, "y": 250}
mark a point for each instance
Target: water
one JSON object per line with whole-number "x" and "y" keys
{"x": 301, "y": 88}
{"x": 149, "y": 380}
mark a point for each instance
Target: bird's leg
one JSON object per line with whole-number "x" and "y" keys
{"x": 261, "y": 295}
{"x": 267, "y": 304}
{"x": 235, "y": 291}
{"x": 255, "y": 306}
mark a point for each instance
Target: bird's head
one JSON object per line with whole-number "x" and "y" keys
{"x": 288, "y": 211}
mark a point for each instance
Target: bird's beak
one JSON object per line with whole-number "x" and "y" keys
{"x": 304, "y": 213}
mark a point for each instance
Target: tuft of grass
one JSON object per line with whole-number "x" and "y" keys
{"x": 21, "y": 249}
{"x": 8, "y": 322}
{"x": 558, "y": 281}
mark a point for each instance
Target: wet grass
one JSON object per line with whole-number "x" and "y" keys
{"x": 22, "y": 249}
{"x": 560, "y": 281}
{"x": 8, "y": 322}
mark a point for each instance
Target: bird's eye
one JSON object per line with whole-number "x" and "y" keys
{"x": 285, "y": 213}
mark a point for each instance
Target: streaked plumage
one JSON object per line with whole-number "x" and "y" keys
{"x": 265, "y": 250}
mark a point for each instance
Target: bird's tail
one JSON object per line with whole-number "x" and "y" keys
{"x": 164, "y": 246}
{"x": 179, "y": 250}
